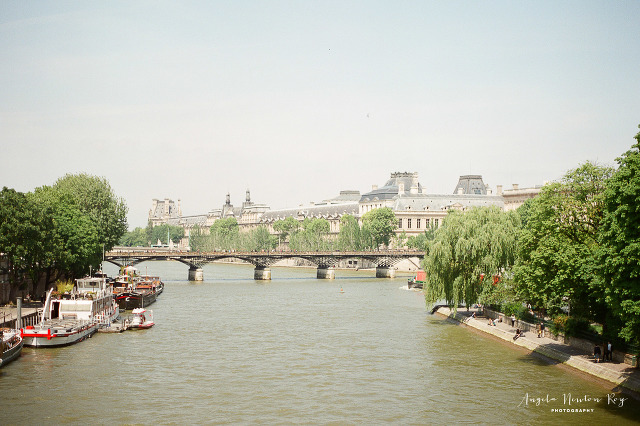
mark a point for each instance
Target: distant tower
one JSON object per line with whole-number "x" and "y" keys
{"x": 248, "y": 198}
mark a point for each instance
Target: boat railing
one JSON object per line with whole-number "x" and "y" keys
{"x": 102, "y": 319}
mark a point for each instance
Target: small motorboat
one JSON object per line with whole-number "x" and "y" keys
{"x": 141, "y": 318}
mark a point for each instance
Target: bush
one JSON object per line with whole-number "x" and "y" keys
{"x": 577, "y": 326}
{"x": 512, "y": 309}
{"x": 559, "y": 324}
{"x": 571, "y": 326}
{"x": 64, "y": 286}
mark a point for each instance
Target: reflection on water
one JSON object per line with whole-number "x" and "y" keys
{"x": 292, "y": 350}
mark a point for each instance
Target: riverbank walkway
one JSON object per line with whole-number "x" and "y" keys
{"x": 615, "y": 372}
{"x": 8, "y": 314}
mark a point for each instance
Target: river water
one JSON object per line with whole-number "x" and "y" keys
{"x": 354, "y": 350}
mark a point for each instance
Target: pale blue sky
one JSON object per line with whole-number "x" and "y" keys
{"x": 297, "y": 100}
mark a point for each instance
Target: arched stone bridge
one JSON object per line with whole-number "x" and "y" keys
{"x": 325, "y": 261}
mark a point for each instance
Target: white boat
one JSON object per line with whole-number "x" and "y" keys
{"x": 70, "y": 318}
{"x": 141, "y": 318}
{"x": 10, "y": 346}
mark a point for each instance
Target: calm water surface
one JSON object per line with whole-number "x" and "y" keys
{"x": 293, "y": 350}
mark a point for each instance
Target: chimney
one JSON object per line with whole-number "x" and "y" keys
{"x": 460, "y": 190}
{"x": 374, "y": 187}
{"x": 515, "y": 186}
{"x": 414, "y": 188}
{"x": 499, "y": 187}
{"x": 401, "y": 188}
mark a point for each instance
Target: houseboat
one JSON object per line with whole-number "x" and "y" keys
{"x": 132, "y": 290}
{"x": 74, "y": 316}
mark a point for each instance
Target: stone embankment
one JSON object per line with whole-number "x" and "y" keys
{"x": 618, "y": 373}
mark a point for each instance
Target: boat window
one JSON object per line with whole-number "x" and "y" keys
{"x": 75, "y": 307}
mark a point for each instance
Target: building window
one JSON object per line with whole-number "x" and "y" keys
{"x": 408, "y": 223}
{"x": 400, "y": 223}
{"x": 436, "y": 224}
{"x": 418, "y": 223}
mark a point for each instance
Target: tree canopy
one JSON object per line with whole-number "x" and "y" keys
{"x": 557, "y": 264}
{"x": 620, "y": 243}
{"x": 378, "y": 227}
{"x": 94, "y": 197}
{"x": 59, "y": 231}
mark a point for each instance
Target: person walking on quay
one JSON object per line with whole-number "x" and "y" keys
{"x": 596, "y": 353}
{"x": 513, "y": 320}
{"x": 541, "y": 329}
{"x": 608, "y": 356}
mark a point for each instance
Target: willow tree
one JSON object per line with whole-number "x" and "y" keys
{"x": 467, "y": 252}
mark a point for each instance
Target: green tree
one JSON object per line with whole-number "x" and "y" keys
{"x": 262, "y": 239}
{"x": 26, "y": 231}
{"x": 199, "y": 241}
{"x": 421, "y": 241}
{"x": 557, "y": 264}
{"x": 401, "y": 240}
{"x": 75, "y": 244}
{"x": 224, "y": 233}
{"x": 160, "y": 232}
{"x": 620, "y": 243}
{"x": 467, "y": 252}
{"x": 93, "y": 196}
{"x": 286, "y": 227}
{"x": 379, "y": 225}
{"x": 313, "y": 236}
{"x": 135, "y": 238}
{"x": 349, "y": 237}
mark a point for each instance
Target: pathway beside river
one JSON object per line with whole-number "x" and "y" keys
{"x": 618, "y": 373}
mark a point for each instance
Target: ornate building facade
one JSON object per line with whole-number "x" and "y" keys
{"x": 415, "y": 210}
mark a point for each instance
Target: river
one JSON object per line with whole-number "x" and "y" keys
{"x": 354, "y": 350}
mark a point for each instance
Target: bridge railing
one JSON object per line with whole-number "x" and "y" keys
{"x": 140, "y": 251}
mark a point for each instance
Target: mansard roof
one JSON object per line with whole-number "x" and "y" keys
{"x": 439, "y": 202}
{"x": 344, "y": 197}
{"x": 188, "y": 221}
{"x": 326, "y": 211}
{"x": 392, "y": 187}
{"x": 471, "y": 184}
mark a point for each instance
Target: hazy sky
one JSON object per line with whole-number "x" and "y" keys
{"x": 297, "y": 100}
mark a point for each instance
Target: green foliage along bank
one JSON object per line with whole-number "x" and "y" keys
{"x": 60, "y": 231}
{"x": 572, "y": 254}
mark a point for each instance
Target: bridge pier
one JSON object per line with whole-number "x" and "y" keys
{"x": 195, "y": 274}
{"x": 385, "y": 272}
{"x": 262, "y": 273}
{"x": 326, "y": 273}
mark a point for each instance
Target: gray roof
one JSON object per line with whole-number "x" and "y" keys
{"x": 188, "y": 221}
{"x": 392, "y": 186}
{"x": 344, "y": 197}
{"x": 471, "y": 184}
{"x": 327, "y": 211}
{"x": 439, "y": 202}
